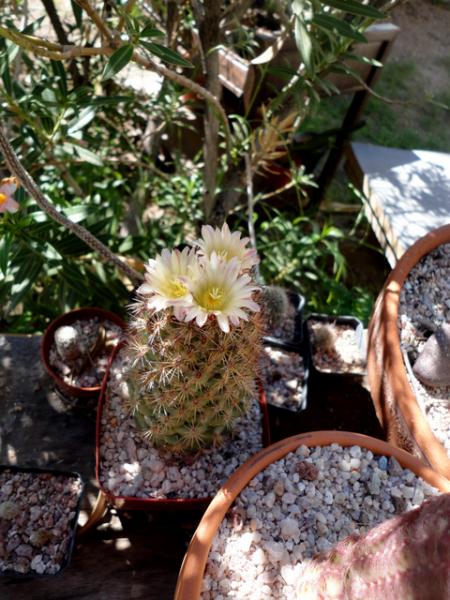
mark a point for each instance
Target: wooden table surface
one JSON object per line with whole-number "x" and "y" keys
{"x": 129, "y": 556}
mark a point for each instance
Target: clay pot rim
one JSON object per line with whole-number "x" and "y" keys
{"x": 194, "y": 563}
{"x": 66, "y": 319}
{"x": 386, "y": 309}
{"x": 141, "y": 503}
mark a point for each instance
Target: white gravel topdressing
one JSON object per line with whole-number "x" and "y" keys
{"x": 424, "y": 306}
{"x": 298, "y": 507}
{"x": 131, "y": 467}
{"x": 283, "y": 376}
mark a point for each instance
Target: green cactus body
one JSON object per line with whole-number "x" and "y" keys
{"x": 275, "y": 303}
{"x": 188, "y": 384}
{"x": 404, "y": 558}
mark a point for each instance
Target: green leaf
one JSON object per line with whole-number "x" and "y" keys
{"x": 166, "y": 54}
{"x": 88, "y": 156}
{"x": 6, "y": 78}
{"x": 59, "y": 71}
{"x": 332, "y": 24}
{"x": 362, "y": 59}
{"x": 85, "y": 117}
{"x": 108, "y": 101}
{"x": 117, "y": 61}
{"x": 304, "y": 43}
{"x": 5, "y": 244}
{"x": 150, "y": 31}
{"x": 26, "y": 276}
{"x": 355, "y": 8}
{"x": 77, "y": 13}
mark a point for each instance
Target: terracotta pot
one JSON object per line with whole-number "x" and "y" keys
{"x": 395, "y": 402}
{"x": 151, "y": 504}
{"x": 48, "y": 338}
{"x": 194, "y": 563}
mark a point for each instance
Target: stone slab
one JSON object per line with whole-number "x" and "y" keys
{"x": 407, "y": 192}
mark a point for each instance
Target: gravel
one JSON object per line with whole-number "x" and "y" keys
{"x": 37, "y": 521}
{"x": 297, "y": 508}
{"x": 343, "y": 354}
{"x": 424, "y": 306}
{"x": 284, "y": 377}
{"x": 129, "y": 466}
{"x": 286, "y": 330}
{"x": 87, "y": 371}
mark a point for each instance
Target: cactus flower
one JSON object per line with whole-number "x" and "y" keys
{"x": 165, "y": 279}
{"x": 226, "y": 246}
{"x": 7, "y": 188}
{"x": 218, "y": 289}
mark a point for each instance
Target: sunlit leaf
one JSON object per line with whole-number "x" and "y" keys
{"x": 117, "y": 61}
{"x": 166, "y": 54}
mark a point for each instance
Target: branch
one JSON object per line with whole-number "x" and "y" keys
{"x": 100, "y": 23}
{"x": 30, "y": 186}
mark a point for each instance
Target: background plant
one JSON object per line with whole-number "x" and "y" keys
{"x": 115, "y": 161}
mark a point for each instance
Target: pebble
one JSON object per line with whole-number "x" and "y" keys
{"x": 328, "y": 510}
{"x": 423, "y": 309}
{"x": 283, "y": 378}
{"x": 130, "y": 466}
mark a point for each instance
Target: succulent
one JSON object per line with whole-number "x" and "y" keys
{"x": 324, "y": 337}
{"x": 275, "y": 304}
{"x": 193, "y": 344}
{"x": 406, "y": 558}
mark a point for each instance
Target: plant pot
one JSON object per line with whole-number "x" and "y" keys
{"x": 330, "y": 363}
{"x": 131, "y": 502}
{"x": 192, "y": 571}
{"x": 394, "y": 398}
{"x": 290, "y": 335}
{"x": 283, "y": 372}
{"x": 33, "y": 477}
{"x": 69, "y": 318}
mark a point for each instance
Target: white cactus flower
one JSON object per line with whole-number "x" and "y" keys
{"x": 7, "y": 188}
{"x": 227, "y": 245}
{"x": 218, "y": 289}
{"x": 165, "y": 280}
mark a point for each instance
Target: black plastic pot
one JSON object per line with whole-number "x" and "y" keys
{"x": 279, "y": 415}
{"x": 349, "y": 321}
{"x": 298, "y": 302}
{"x": 72, "y": 526}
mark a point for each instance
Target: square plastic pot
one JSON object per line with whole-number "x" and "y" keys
{"x": 297, "y": 301}
{"x": 72, "y": 526}
{"x": 349, "y": 321}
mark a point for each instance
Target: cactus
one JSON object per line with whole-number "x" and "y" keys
{"x": 324, "y": 337}
{"x": 275, "y": 303}
{"x": 192, "y": 344}
{"x": 406, "y": 558}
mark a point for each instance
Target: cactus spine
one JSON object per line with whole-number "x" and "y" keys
{"x": 275, "y": 303}
{"x": 404, "y": 558}
{"x": 188, "y": 383}
{"x": 194, "y": 342}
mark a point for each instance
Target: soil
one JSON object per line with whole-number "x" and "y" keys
{"x": 424, "y": 38}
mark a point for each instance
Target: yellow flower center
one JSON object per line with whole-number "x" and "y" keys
{"x": 176, "y": 289}
{"x": 3, "y": 198}
{"x": 212, "y": 298}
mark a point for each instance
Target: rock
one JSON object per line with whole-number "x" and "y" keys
{"x": 432, "y": 367}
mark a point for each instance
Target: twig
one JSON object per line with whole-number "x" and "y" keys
{"x": 250, "y": 206}
{"x": 30, "y": 186}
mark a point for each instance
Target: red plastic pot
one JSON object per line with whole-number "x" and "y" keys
{"x": 395, "y": 402}
{"x": 48, "y": 339}
{"x": 153, "y": 504}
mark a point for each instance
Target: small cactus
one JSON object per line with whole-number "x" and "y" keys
{"x": 324, "y": 337}
{"x": 275, "y": 304}
{"x": 404, "y": 558}
{"x": 193, "y": 344}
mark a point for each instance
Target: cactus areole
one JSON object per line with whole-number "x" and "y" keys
{"x": 194, "y": 342}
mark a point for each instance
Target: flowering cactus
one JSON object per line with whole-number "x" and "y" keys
{"x": 194, "y": 342}
{"x": 404, "y": 558}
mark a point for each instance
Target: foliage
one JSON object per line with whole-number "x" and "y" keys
{"x": 116, "y": 161}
